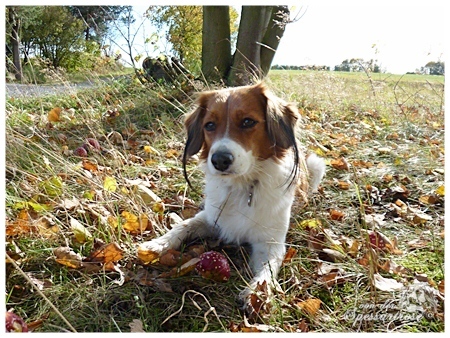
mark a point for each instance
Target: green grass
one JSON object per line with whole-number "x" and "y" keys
{"x": 389, "y": 128}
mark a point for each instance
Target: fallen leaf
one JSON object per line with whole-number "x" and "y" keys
{"x": 147, "y": 256}
{"x": 290, "y": 254}
{"x": 336, "y": 215}
{"x": 80, "y": 232}
{"x": 110, "y": 184}
{"x": 107, "y": 253}
{"x": 310, "y": 223}
{"x": 441, "y": 191}
{"x": 340, "y": 164}
{"x": 310, "y": 306}
{"x": 386, "y": 284}
{"x": 136, "y": 326}
{"x": 54, "y": 115}
{"x": 66, "y": 256}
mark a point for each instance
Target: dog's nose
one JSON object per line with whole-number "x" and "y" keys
{"x": 222, "y": 160}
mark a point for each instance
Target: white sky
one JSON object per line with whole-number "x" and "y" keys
{"x": 404, "y": 36}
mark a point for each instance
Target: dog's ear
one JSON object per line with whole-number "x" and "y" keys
{"x": 281, "y": 119}
{"x": 194, "y": 128}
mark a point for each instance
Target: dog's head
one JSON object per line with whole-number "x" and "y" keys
{"x": 236, "y": 127}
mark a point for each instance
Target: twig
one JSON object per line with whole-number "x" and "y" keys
{"x": 40, "y": 293}
{"x": 211, "y": 309}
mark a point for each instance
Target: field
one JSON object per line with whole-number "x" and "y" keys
{"x": 366, "y": 255}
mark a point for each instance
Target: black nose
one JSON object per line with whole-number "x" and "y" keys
{"x": 222, "y": 160}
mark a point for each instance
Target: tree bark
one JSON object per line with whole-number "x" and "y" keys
{"x": 246, "y": 66}
{"x": 15, "y": 42}
{"x": 277, "y": 23}
{"x": 216, "y": 47}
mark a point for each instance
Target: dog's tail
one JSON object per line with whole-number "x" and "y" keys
{"x": 316, "y": 169}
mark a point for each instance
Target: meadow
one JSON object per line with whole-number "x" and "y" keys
{"x": 366, "y": 254}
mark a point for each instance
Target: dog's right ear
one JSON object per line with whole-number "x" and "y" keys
{"x": 194, "y": 128}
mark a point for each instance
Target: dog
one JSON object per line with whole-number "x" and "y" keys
{"x": 254, "y": 166}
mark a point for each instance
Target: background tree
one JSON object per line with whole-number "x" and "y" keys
{"x": 435, "y": 68}
{"x": 260, "y": 30}
{"x": 97, "y": 19}
{"x": 183, "y": 25}
{"x": 216, "y": 42}
{"x": 14, "y": 21}
{"x": 185, "y": 31}
{"x": 58, "y": 34}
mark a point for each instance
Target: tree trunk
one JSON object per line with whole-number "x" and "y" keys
{"x": 247, "y": 58}
{"x": 277, "y": 23}
{"x": 216, "y": 47}
{"x": 15, "y": 42}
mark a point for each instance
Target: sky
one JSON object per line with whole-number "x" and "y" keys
{"x": 402, "y": 35}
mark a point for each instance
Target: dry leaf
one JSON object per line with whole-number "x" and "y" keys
{"x": 66, "y": 256}
{"x": 310, "y": 306}
{"x": 290, "y": 254}
{"x": 54, "y": 115}
{"x": 340, "y": 164}
{"x": 336, "y": 215}
{"x": 136, "y": 326}
{"x": 110, "y": 184}
{"x": 146, "y": 256}
{"x": 80, "y": 232}
{"x": 107, "y": 253}
{"x": 386, "y": 284}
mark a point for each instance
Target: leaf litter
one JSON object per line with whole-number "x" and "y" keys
{"x": 345, "y": 235}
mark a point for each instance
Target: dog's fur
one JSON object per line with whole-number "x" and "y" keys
{"x": 253, "y": 167}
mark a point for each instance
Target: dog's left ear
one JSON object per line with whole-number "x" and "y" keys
{"x": 281, "y": 117}
{"x": 194, "y": 128}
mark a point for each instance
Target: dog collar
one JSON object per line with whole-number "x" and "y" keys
{"x": 250, "y": 193}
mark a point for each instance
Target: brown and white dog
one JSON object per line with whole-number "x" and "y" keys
{"x": 253, "y": 168}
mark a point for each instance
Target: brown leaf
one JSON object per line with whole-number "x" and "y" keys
{"x": 66, "y": 256}
{"x": 88, "y": 165}
{"x": 441, "y": 287}
{"x": 310, "y": 306}
{"x": 290, "y": 254}
{"x": 340, "y": 164}
{"x": 54, "y": 115}
{"x": 336, "y": 215}
{"x": 343, "y": 185}
{"x": 171, "y": 258}
{"x": 108, "y": 253}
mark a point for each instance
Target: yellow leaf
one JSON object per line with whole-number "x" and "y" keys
{"x": 310, "y": 223}
{"x": 111, "y": 252}
{"x": 441, "y": 191}
{"x": 146, "y": 256}
{"x": 80, "y": 232}
{"x": 66, "y": 256}
{"x": 310, "y": 306}
{"x": 110, "y": 184}
{"x": 54, "y": 115}
{"x": 151, "y": 150}
{"x": 131, "y": 221}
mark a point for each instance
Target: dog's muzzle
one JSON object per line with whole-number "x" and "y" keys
{"x": 222, "y": 160}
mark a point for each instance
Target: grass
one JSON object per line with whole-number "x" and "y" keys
{"x": 389, "y": 129}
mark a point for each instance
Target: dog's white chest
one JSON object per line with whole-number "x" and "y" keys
{"x": 266, "y": 217}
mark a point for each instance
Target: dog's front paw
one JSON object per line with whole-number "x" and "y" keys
{"x": 148, "y": 251}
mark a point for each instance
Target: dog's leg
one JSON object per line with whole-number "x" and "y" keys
{"x": 265, "y": 261}
{"x": 193, "y": 227}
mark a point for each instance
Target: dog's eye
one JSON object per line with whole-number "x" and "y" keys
{"x": 248, "y": 123}
{"x": 210, "y": 126}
